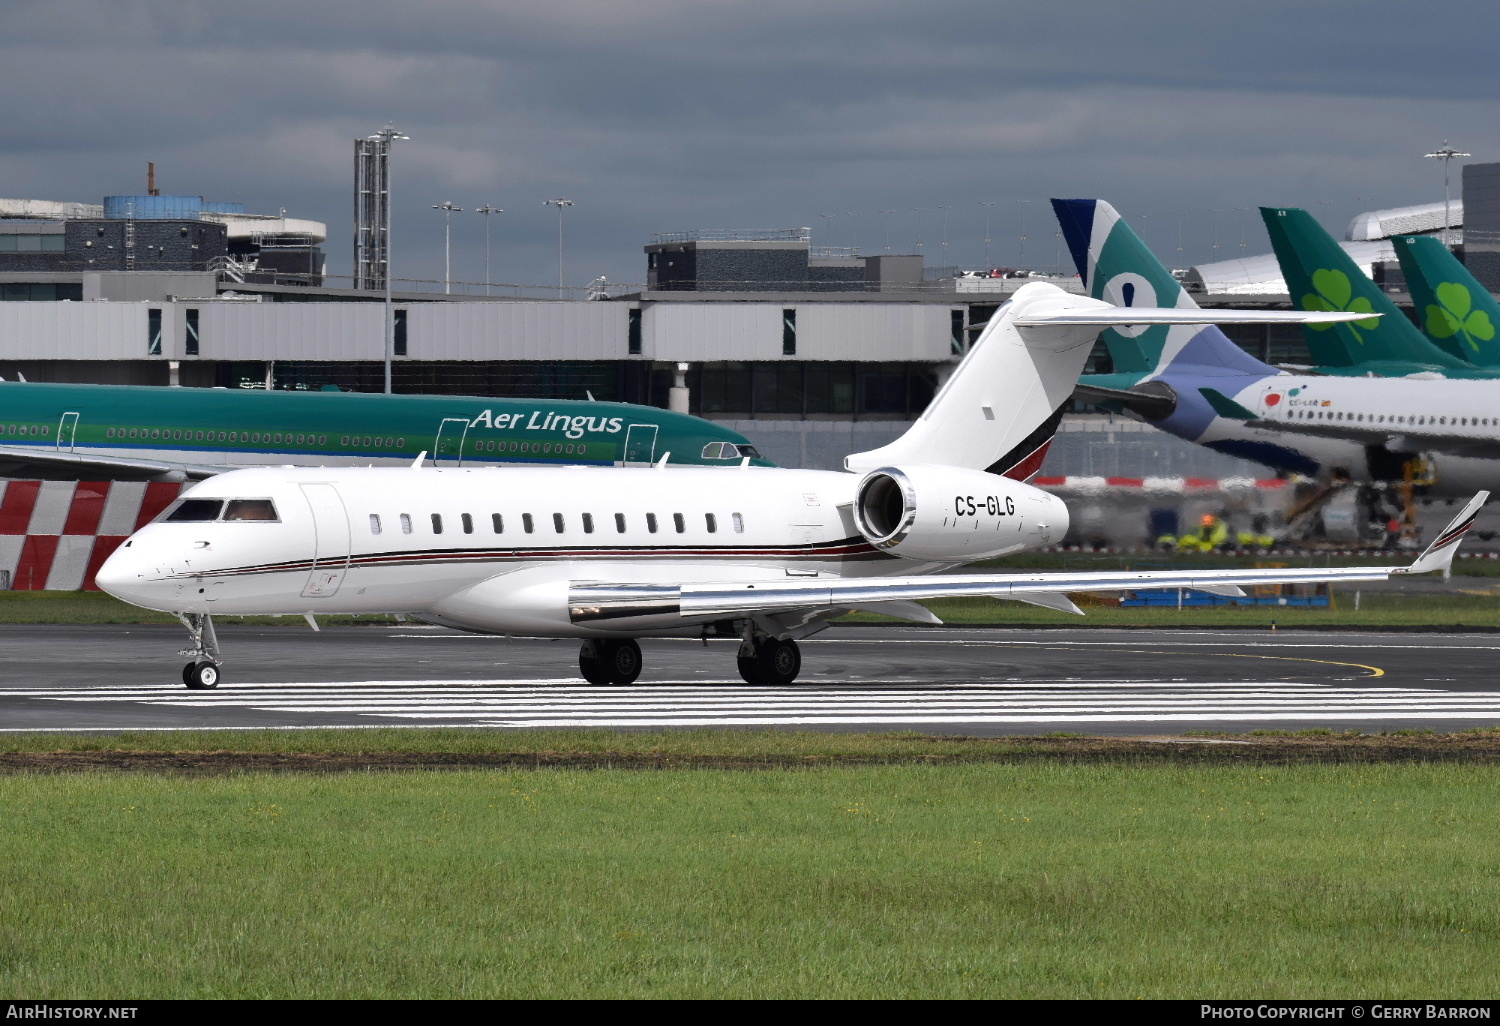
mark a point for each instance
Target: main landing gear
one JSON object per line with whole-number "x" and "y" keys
{"x": 203, "y": 672}
{"x": 762, "y": 660}
{"x": 765, "y": 660}
{"x": 610, "y": 661}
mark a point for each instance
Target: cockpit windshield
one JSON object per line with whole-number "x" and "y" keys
{"x": 729, "y": 451}
{"x": 194, "y": 511}
{"x": 250, "y": 509}
{"x": 198, "y": 511}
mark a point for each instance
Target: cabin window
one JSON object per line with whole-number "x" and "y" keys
{"x": 344, "y": 440}
{"x": 437, "y": 523}
{"x": 374, "y": 523}
{"x": 527, "y": 524}
{"x": 200, "y": 436}
{"x": 739, "y": 523}
{"x": 679, "y": 523}
{"x": 250, "y": 509}
{"x": 651, "y": 522}
{"x": 406, "y": 523}
{"x": 468, "y": 523}
{"x": 155, "y": 432}
{"x": 557, "y": 523}
{"x": 620, "y": 523}
{"x": 497, "y": 522}
{"x": 110, "y": 433}
{"x": 588, "y": 523}
{"x": 194, "y": 511}
{"x": 322, "y": 439}
{"x": 711, "y": 522}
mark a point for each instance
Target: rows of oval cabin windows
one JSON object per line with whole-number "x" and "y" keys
{"x": 490, "y": 445}
{"x": 560, "y": 523}
{"x": 25, "y": 429}
{"x": 276, "y": 438}
{"x": 1381, "y": 418}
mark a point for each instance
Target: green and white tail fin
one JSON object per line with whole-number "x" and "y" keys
{"x": 1457, "y": 313}
{"x": 1321, "y": 276}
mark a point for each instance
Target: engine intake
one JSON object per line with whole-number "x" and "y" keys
{"x": 950, "y": 514}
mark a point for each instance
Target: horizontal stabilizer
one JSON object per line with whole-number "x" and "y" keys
{"x": 1127, "y": 315}
{"x": 1154, "y": 400}
{"x": 1225, "y": 406}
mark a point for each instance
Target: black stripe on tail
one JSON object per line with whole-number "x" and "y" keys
{"x": 1025, "y": 457}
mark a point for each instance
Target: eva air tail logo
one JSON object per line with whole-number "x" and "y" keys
{"x": 1453, "y": 314}
{"x": 1333, "y": 296}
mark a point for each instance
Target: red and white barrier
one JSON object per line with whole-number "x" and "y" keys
{"x": 54, "y": 535}
{"x": 1156, "y": 484}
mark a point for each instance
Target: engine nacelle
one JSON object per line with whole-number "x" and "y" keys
{"x": 949, "y": 514}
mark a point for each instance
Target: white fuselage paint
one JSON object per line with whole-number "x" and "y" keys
{"x": 711, "y": 525}
{"x": 1402, "y": 411}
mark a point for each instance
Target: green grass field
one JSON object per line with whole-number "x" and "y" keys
{"x": 1041, "y": 879}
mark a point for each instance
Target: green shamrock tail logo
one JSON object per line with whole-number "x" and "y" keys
{"x": 1333, "y": 295}
{"x": 1454, "y": 314}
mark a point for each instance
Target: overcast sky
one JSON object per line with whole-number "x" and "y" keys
{"x": 666, "y": 115}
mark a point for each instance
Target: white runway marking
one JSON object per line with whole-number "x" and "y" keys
{"x": 569, "y": 702}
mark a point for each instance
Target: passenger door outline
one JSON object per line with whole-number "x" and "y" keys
{"x": 67, "y": 429}
{"x": 640, "y": 445}
{"x": 331, "y": 540}
{"x": 445, "y": 448}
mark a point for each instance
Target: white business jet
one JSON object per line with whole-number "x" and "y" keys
{"x": 609, "y": 555}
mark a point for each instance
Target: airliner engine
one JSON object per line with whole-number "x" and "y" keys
{"x": 947, "y": 514}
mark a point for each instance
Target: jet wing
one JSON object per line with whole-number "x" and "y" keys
{"x": 1409, "y": 438}
{"x": 57, "y": 464}
{"x": 596, "y": 603}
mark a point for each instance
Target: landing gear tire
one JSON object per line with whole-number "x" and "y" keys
{"x": 610, "y": 662}
{"x": 774, "y": 663}
{"x": 750, "y": 669}
{"x": 780, "y": 661}
{"x": 201, "y": 676}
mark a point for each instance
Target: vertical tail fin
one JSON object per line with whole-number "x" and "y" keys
{"x": 1321, "y": 276}
{"x": 1117, "y": 268}
{"x": 1001, "y": 406}
{"x": 1457, "y": 313}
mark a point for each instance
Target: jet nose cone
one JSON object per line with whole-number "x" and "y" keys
{"x": 120, "y": 576}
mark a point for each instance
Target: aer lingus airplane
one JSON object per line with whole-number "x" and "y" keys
{"x": 610, "y": 555}
{"x": 1193, "y": 382}
{"x": 122, "y": 431}
{"x": 1321, "y": 276}
{"x": 1456, "y": 312}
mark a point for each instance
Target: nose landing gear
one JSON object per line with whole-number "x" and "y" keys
{"x": 610, "y": 661}
{"x": 203, "y": 672}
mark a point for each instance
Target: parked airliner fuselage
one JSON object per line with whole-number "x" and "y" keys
{"x": 496, "y": 549}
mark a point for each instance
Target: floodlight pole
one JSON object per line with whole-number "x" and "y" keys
{"x": 487, "y": 210}
{"x": 447, "y": 209}
{"x": 388, "y": 135}
{"x": 986, "y": 207}
{"x": 1021, "y": 264}
{"x": 559, "y": 203}
{"x": 887, "y": 214}
{"x": 1446, "y": 155}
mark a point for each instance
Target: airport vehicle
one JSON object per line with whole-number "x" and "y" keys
{"x": 609, "y": 555}
{"x": 1455, "y": 311}
{"x": 1192, "y": 381}
{"x": 178, "y": 434}
{"x": 1321, "y": 276}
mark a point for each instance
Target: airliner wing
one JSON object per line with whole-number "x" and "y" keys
{"x": 592, "y": 602}
{"x": 57, "y": 464}
{"x": 1410, "y": 438}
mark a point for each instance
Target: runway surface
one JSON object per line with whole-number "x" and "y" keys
{"x": 947, "y": 680}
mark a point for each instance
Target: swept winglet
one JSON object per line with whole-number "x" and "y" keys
{"x": 1225, "y": 406}
{"x": 416, "y": 464}
{"x": 1439, "y": 555}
